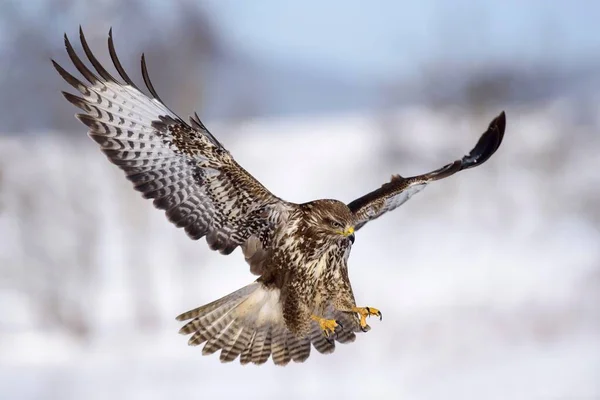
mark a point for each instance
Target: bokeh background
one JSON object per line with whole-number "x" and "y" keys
{"x": 489, "y": 281}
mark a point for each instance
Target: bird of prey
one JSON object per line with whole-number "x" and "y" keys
{"x": 299, "y": 252}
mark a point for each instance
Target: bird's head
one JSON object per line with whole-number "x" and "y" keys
{"x": 332, "y": 219}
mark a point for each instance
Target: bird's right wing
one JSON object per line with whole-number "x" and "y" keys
{"x": 184, "y": 168}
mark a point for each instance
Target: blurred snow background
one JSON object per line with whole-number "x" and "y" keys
{"x": 489, "y": 281}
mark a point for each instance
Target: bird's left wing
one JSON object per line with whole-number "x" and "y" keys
{"x": 394, "y": 193}
{"x": 184, "y": 168}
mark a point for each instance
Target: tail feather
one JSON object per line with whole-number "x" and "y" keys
{"x": 350, "y": 325}
{"x": 262, "y": 346}
{"x": 279, "y": 347}
{"x": 225, "y": 303}
{"x": 246, "y": 355}
{"x": 240, "y": 341}
{"x": 322, "y": 344}
{"x": 299, "y": 347}
{"x": 198, "y": 338}
{"x": 249, "y": 324}
{"x": 221, "y": 338}
{"x": 212, "y": 331}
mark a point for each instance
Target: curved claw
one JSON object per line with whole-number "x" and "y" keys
{"x": 328, "y": 326}
{"x": 378, "y": 313}
{"x": 364, "y": 313}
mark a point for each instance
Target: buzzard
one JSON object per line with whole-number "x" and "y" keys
{"x": 302, "y": 296}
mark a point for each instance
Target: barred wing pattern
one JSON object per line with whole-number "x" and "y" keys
{"x": 396, "y": 192}
{"x": 183, "y": 168}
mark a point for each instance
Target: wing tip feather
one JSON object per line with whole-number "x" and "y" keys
{"x": 81, "y": 67}
{"x": 95, "y": 63}
{"x": 75, "y": 100}
{"x": 147, "y": 80}
{"x": 117, "y": 63}
{"x": 488, "y": 143}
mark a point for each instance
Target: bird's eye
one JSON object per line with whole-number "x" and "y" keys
{"x": 335, "y": 224}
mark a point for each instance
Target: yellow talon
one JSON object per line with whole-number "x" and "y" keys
{"x": 327, "y": 325}
{"x": 365, "y": 312}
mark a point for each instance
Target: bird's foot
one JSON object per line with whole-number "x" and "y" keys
{"x": 365, "y": 312}
{"x": 327, "y": 325}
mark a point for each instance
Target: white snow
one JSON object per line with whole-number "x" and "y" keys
{"x": 488, "y": 281}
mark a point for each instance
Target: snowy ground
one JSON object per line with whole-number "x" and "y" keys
{"x": 489, "y": 281}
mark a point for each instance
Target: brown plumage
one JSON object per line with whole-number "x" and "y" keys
{"x": 303, "y": 295}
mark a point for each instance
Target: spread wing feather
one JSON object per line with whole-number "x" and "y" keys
{"x": 394, "y": 193}
{"x": 184, "y": 168}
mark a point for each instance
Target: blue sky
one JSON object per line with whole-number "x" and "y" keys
{"x": 388, "y": 39}
{"x": 382, "y": 39}
{"x": 367, "y": 44}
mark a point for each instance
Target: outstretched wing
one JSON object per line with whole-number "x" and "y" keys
{"x": 183, "y": 168}
{"x": 394, "y": 193}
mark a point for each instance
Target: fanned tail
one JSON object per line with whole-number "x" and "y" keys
{"x": 249, "y": 323}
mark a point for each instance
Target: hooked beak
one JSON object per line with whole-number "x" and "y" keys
{"x": 349, "y": 233}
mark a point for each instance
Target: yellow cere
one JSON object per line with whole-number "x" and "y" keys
{"x": 349, "y": 231}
